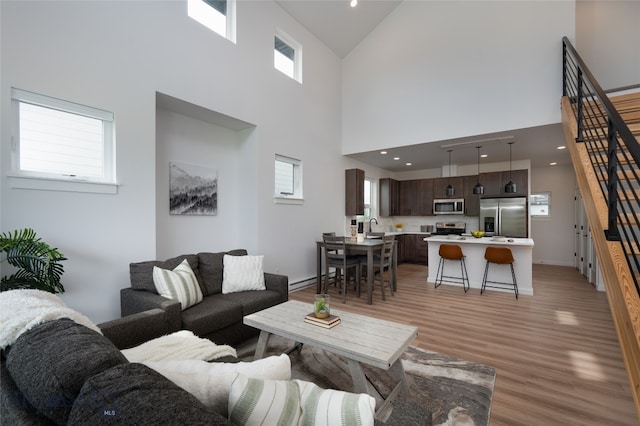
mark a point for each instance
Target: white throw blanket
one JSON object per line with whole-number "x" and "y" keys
{"x": 176, "y": 346}
{"x": 210, "y": 382}
{"x": 21, "y": 310}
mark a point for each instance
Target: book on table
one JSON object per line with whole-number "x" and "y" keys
{"x": 330, "y": 321}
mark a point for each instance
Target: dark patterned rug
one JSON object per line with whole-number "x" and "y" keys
{"x": 457, "y": 392}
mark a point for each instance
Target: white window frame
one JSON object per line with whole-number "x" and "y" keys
{"x": 369, "y": 208}
{"x": 31, "y": 179}
{"x": 297, "y": 196}
{"x": 533, "y": 203}
{"x": 203, "y": 13}
{"x": 297, "y": 55}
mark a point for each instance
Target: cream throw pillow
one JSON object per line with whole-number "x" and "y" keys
{"x": 242, "y": 273}
{"x": 180, "y": 284}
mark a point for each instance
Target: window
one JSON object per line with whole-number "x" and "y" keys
{"x": 540, "y": 204}
{"x": 288, "y": 180}
{"x": 288, "y": 56}
{"x": 217, "y": 15}
{"x": 369, "y": 198}
{"x": 60, "y": 140}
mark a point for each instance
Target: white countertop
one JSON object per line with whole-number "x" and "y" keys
{"x": 483, "y": 240}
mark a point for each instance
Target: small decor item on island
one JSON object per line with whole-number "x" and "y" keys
{"x": 321, "y": 306}
{"x": 354, "y": 229}
{"x": 399, "y": 226}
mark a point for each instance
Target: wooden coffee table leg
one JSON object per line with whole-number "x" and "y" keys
{"x": 362, "y": 385}
{"x": 261, "y": 347}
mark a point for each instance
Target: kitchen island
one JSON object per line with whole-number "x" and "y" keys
{"x": 473, "y": 249}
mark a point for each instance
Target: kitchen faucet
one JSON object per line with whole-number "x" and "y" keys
{"x": 370, "y": 220}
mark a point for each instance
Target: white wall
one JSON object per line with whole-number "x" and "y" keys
{"x": 116, "y": 56}
{"x": 608, "y": 40}
{"x": 436, "y": 70}
{"x": 554, "y": 236}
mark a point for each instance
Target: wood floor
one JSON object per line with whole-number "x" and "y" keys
{"x": 556, "y": 353}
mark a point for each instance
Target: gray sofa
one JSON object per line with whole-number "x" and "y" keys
{"x": 219, "y": 316}
{"x": 61, "y": 372}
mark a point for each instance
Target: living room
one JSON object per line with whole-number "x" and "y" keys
{"x": 132, "y": 58}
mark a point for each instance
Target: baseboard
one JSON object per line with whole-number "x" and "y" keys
{"x": 551, "y": 262}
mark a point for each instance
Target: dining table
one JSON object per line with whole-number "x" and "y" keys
{"x": 368, "y": 246}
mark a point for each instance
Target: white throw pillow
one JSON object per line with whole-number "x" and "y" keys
{"x": 255, "y": 402}
{"x": 180, "y": 284}
{"x": 326, "y": 407}
{"x": 210, "y": 382}
{"x": 242, "y": 273}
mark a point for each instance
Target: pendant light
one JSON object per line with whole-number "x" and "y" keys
{"x": 510, "y": 187}
{"x": 478, "y": 189}
{"x": 450, "y": 189}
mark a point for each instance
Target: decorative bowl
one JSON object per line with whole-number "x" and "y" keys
{"x": 478, "y": 234}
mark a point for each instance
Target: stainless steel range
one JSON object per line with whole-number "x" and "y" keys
{"x": 450, "y": 228}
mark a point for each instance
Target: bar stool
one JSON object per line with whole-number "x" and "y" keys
{"x": 452, "y": 252}
{"x": 499, "y": 256}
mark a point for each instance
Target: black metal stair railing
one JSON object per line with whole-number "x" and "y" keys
{"x": 614, "y": 153}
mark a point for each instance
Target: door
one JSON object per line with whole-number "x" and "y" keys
{"x": 489, "y": 216}
{"x": 512, "y": 217}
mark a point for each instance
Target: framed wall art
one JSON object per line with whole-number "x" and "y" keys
{"x": 193, "y": 190}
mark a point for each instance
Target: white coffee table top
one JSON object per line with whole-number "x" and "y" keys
{"x": 360, "y": 338}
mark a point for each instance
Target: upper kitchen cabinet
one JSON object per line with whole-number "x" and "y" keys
{"x": 440, "y": 187}
{"x": 424, "y": 194}
{"x": 388, "y": 196}
{"x": 408, "y": 202}
{"x": 354, "y": 192}
{"x": 494, "y": 183}
{"x": 471, "y": 200}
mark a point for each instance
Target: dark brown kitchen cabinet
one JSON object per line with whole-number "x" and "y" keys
{"x": 414, "y": 249}
{"x": 440, "y": 187}
{"x": 494, "y": 183}
{"x": 400, "y": 239}
{"x": 471, "y": 200}
{"x": 388, "y": 196}
{"x": 408, "y": 202}
{"x": 424, "y": 194}
{"x": 354, "y": 192}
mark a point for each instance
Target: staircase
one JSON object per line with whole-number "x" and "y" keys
{"x": 602, "y": 134}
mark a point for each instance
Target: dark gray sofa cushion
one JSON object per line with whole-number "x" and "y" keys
{"x": 15, "y": 409}
{"x": 134, "y": 394}
{"x": 141, "y": 273}
{"x": 211, "y": 265}
{"x": 51, "y": 362}
{"x": 254, "y": 301}
{"x": 213, "y": 313}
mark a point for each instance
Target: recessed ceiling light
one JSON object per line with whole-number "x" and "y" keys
{"x": 354, "y": 3}
{"x": 396, "y": 158}
{"x": 483, "y": 156}
{"x": 553, "y": 163}
{"x": 562, "y": 147}
{"x": 407, "y": 164}
{"x": 383, "y": 152}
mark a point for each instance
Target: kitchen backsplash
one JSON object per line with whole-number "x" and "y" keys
{"x": 413, "y": 223}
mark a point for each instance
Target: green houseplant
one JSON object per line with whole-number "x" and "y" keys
{"x": 38, "y": 263}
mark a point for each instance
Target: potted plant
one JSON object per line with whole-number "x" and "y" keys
{"x": 321, "y": 306}
{"x": 38, "y": 263}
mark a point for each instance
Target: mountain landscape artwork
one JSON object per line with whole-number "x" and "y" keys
{"x": 193, "y": 190}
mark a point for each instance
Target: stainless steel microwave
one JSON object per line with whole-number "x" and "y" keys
{"x": 448, "y": 206}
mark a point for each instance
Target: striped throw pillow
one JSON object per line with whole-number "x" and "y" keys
{"x": 263, "y": 402}
{"x": 325, "y": 407}
{"x": 242, "y": 273}
{"x": 180, "y": 284}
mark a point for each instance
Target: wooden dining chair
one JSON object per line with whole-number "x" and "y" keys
{"x": 336, "y": 256}
{"x": 337, "y": 275}
{"x": 385, "y": 260}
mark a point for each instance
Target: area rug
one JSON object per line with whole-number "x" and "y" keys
{"x": 457, "y": 392}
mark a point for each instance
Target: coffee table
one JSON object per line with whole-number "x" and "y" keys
{"x": 358, "y": 338}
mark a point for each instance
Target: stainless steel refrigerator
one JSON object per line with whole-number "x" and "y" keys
{"x": 504, "y": 216}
